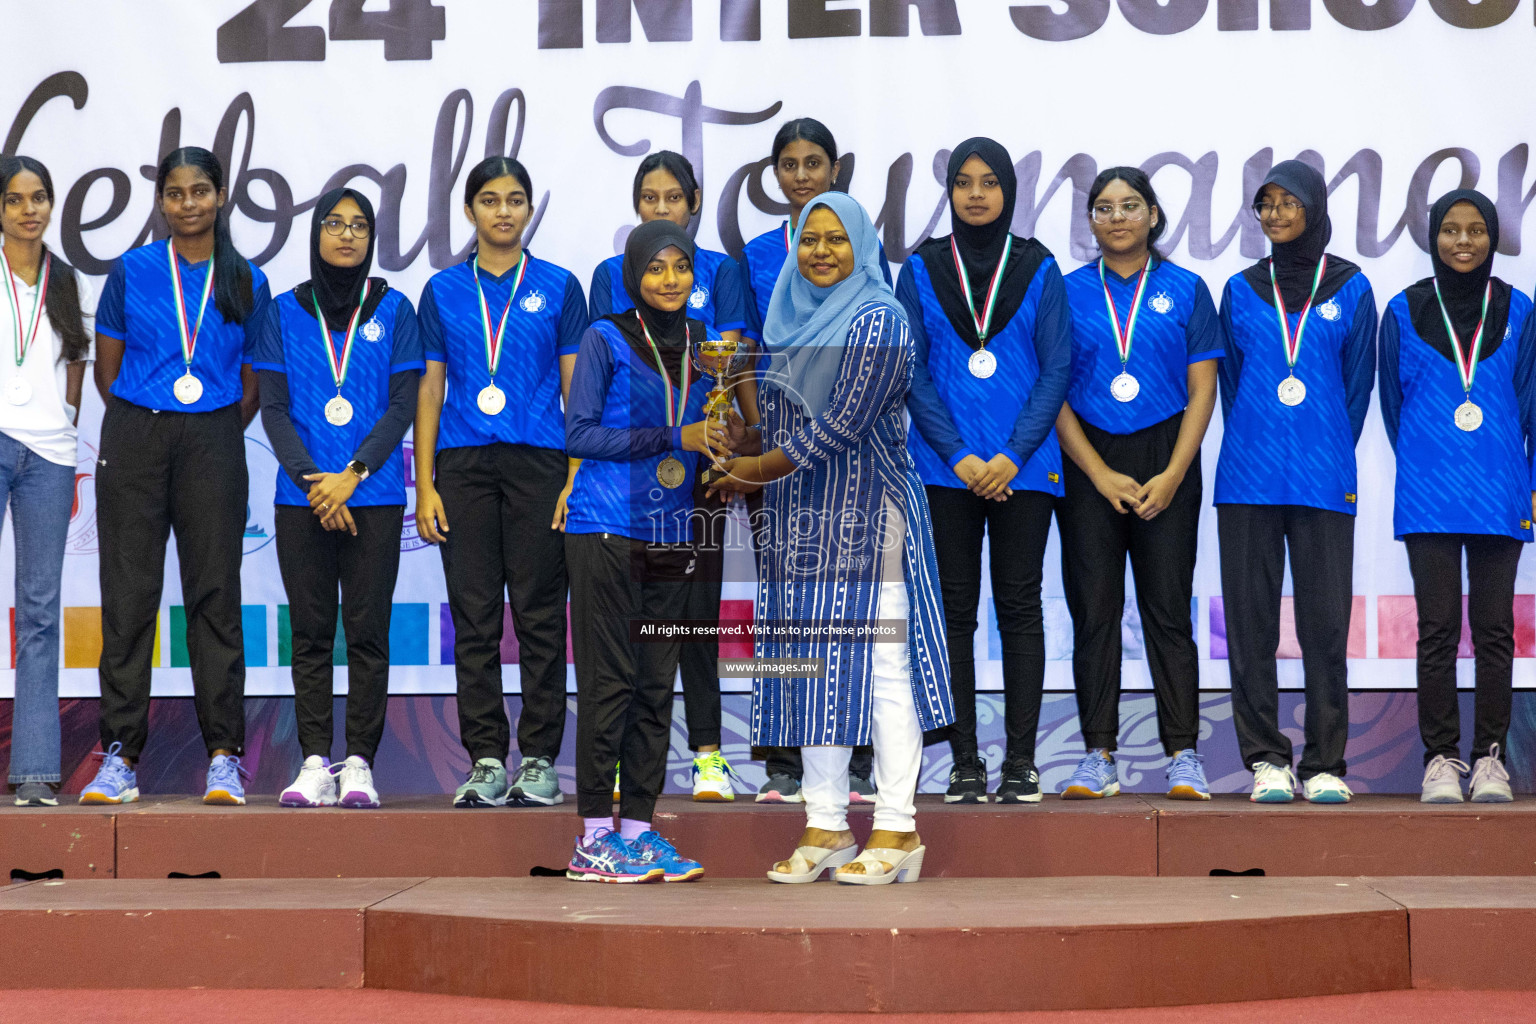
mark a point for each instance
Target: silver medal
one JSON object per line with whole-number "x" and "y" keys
{"x": 1468, "y": 416}
{"x": 338, "y": 412}
{"x": 18, "y": 391}
{"x": 491, "y": 400}
{"x": 1291, "y": 391}
{"x": 188, "y": 389}
{"x": 983, "y": 364}
{"x": 1124, "y": 387}
{"x": 671, "y": 473}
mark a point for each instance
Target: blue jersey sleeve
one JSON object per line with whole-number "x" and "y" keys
{"x": 1390, "y": 389}
{"x": 1360, "y": 362}
{"x": 430, "y": 327}
{"x": 929, "y": 413}
{"x": 573, "y": 316}
{"x": 585, "y": 435}
{"x": 267, "y": 352}
{"x": 1202, "y": 335}
{"x": 256, "y": 320}
{"x": 730, "y": 297}
{"x": 1525, "y": 389}
{"x": 406, "y": 352}
{"x": 885, "y": 265}
{"x": 111, "y": 317}
{"x": 600, "y": 294}
{"x": 1053, "y": 349}
{"x": 1230, "y": 374}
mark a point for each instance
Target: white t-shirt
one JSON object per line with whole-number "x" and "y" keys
{"x": 45, "y": 423}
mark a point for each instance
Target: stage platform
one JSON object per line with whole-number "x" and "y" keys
{"x": 1127, "y": 835}
{"x": 939, "y": 945}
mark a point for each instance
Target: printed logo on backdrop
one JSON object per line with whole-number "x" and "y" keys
{"x": 260, "y": 517}
{"x": 410, "y": 537}
{"x": 1330, "y": 311}
{"x": 83, "y": 534}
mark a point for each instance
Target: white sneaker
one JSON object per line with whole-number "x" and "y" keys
{"x": 1490, "y": 782}
{"x": 711, "y": 779}
{"x": 1442, "y": 780}
{"x": 315, "y": 786}
{"x": 1272, "y": 784}
{"x": 356, "y": 783}
{"x": 1324, "y": 788}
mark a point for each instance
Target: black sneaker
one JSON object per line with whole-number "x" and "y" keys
{"x": 1020, "y": 783}
{"x": 967, "y": 781}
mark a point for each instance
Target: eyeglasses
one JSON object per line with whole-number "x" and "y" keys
{"x": 1287, "y": 206}
{"x": 335, "y": 226}
{"x": 1131, "y": 209}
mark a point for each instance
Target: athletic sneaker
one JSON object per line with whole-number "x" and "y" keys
{"x": 1272, "y": 783}
{"x": 315, "y": 786}
{"x": 536, "y": 784}
{"x": 1490, "y": 782}
{"x": 224, "y": 785}
{"x": 354, "y": 783}
{"x": 1186, "y": 777}
{"x": 1094, "y": 777}
{"x": 967, "y": 780}
{"x": 653, "y": 848}
{"x": 861, "y": 789}
{"x": 609, "y": 859}
{"x": 485, "y": 787}
{"x": 1442, "y": 780}
{"x": 115, "y": 782}
{"x": 1019, "y": 783}
{"x": 37, "y": 794}
{"x": 711, "y": 778}
{"x": 1326, "y": 788}
{"x": 781, "y": 789}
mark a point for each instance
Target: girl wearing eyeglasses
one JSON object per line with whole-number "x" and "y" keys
{"x": 339, "y": 361}
{"x": 1145, "y": 345}
{"x": 1300, "y": 334}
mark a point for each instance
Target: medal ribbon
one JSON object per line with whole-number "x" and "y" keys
{"x": 1466, "y": 359}
{"x": 787, "y": 235}
{"x": 1123, "y": 338}
{"x": 984, "y": 321}
{"x": 493, "y": 342}
{"x": 674, "y": 410}
{"x": 25, "y": 335}
{"x": 188, "y": 336}
{"x": 1293, "y": 345}
{"x": 340, "y": 363}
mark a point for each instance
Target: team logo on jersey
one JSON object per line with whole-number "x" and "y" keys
{"x": 372, "y": 330}
{"x": 1509, "y": 332}
{"x": 1162, "y": 302}
{"x": 699, "y": 298}
{"x": 1330, "y": 311}
{"x": 533, "y": 302}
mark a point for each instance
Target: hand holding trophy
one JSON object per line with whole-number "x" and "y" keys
{"x": 719, "y": 359}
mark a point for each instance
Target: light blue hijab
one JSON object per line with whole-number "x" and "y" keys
{"x": 807, "y": 327}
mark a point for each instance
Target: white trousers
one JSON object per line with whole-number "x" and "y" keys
{"x": 898, "y": 741}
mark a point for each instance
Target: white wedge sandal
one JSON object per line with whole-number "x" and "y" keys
{"x": 809, "y": 862}
{"x": 905, "y": 866}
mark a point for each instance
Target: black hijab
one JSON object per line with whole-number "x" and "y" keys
{"x": 980, "y": 248}
{"x": 1462, "y": 292}
{"x": 337, "y": 289}
{"x": 1296, "y": 261}
{"x": 670, "y": 330}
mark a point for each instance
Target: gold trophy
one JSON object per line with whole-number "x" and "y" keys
{"x": 719, "y": 359}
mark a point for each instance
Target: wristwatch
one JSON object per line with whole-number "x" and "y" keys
{"x": 359, "y": 469}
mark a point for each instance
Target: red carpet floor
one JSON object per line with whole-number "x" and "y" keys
{"x": 136, "y": 1006}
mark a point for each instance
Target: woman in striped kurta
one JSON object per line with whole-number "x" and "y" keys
{"x": 849, "y": 542}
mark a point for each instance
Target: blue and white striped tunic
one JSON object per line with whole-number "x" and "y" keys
{"x": 819, "y": 561}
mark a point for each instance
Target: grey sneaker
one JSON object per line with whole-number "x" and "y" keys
{"x": 861, "y": 789}
{"x": 1442, "y": 780}
{"x": 37, "y": 794}
{"x": 1490, "y": 782}
{"x": 485, "y": 787}
{"x": 535, "y": 784}
{"x": 780, "y": 789}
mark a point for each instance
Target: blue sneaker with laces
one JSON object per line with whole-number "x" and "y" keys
{"x": 1186, "y": 777}
{"x": 608, "y": 858}
{"x": 653, "y": 848}
{"x": 1094, "y": 777}
{"x": 115, "y": 782}
{"x": 224, "y": 785}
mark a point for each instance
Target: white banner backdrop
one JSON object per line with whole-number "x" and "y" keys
{"x": 1397, "y": 101}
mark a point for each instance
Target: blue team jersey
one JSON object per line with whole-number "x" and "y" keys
{"x": 386, "y": 344}
{"x": 1451, "y": 480}
{"x": 1274, "y": 454}
{"x": 616, "y": 424}
{"x": 719, "y": 298}
{"x": 138, "y": 308}
{"x": 762, "y": 261}
{"x": 548, "y": 316}
{"x": 1176, "y": 328}
{"x": 1013, "y": 412}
